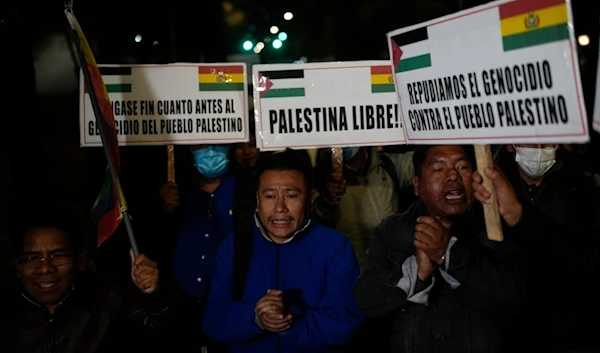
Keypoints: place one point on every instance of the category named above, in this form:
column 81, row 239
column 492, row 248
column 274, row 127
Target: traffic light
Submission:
column 277, row 44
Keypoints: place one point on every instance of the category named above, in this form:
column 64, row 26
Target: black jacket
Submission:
column 483, row 314
column 95, row 317
column 565, row 251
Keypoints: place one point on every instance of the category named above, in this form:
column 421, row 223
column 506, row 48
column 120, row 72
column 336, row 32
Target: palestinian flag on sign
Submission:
column 409, row 50
column 221, row 78
column 116, row 79
column 533, row 22
column 382, row 80
column 281, row 84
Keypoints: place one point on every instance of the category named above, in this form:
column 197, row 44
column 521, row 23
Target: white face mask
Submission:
column 535, row 162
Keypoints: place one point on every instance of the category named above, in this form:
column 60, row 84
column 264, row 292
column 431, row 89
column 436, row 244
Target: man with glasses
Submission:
column 64, row 308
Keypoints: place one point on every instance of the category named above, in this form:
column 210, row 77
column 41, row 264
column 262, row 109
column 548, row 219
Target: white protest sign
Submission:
column 504, row 72
column 596, row 121
column 171, row 104
column 316, row 105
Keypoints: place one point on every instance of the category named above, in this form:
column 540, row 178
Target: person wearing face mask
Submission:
column 200, row 207
column 550, row 179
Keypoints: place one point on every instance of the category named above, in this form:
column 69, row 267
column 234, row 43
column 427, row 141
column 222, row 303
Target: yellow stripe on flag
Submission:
column 220, row 78
column 550, row 16
column 381, row 79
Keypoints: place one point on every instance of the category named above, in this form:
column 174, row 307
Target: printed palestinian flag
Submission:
column 221, row 78
column 116, row 79
column 382, row 80
column 409, row 50
column 533, row 22
column 281, row 84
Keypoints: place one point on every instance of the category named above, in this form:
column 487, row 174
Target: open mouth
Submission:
column 47, row 285
column 455, row 196
column 281, row 222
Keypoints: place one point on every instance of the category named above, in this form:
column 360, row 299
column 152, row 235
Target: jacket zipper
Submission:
column 277, row 287
column 51, row 341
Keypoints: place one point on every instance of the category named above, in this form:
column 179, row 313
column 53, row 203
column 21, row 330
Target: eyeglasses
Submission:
column 34, row 261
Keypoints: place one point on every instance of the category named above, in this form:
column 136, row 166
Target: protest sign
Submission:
column 597, row 101
column 325, row 105
column 504, row 72
column 172, row 104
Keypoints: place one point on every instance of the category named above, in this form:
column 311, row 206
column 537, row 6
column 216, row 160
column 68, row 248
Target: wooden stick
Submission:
column 337, row 157
column 483, row 155
column 171, row 163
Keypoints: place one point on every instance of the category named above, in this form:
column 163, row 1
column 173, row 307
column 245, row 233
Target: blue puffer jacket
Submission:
column 316, row 270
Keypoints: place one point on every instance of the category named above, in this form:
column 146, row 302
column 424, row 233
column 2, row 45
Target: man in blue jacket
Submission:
column 298, row 291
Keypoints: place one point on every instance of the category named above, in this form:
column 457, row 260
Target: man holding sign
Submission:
column 434, row 271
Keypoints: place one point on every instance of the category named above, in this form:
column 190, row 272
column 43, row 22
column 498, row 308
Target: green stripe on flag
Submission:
column 118, row 88
column 382, row 88
column 284, row 93
column 536, row 37
column 221, row 86
column 414, row 63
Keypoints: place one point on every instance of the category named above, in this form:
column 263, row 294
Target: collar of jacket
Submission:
column 30, row 300
column 263, row 232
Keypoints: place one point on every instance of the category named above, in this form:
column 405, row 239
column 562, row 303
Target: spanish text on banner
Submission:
column 326, row 105
column 504, row 72
column 172, row 104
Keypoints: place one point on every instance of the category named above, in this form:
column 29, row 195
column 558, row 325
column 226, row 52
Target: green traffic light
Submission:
column 282, row 36
column 248, row 45
column 277, row 44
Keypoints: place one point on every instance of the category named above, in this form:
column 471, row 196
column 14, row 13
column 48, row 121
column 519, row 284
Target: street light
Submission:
column 288, row 16
column 282, row 36
column 274, row 29
column 583, row 40
column 247, row 45
column 138, row 38
column 277, row 44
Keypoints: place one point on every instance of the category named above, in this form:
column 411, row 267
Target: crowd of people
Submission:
column 387, row 252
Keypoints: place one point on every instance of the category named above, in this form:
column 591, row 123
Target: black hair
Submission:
column 66, row 219
column 420, row 156
column 292, row 160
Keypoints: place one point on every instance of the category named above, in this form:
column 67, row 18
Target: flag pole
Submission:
column 100, row 125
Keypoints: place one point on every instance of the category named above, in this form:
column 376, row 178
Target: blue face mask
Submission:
column 212, row 161
column 350, row 152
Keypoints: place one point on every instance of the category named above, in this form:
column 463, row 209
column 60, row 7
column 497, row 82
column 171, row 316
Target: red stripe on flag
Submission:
column 520, row 7
column 106, row 114
column 219, row 69
column 381, row 70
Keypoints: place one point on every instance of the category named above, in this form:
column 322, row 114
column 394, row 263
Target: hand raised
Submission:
column 509, row 207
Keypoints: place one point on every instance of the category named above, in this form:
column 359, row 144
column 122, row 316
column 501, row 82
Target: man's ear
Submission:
column 415, row 182
column 81, row 260
column 257, row 202
column 313, row 197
